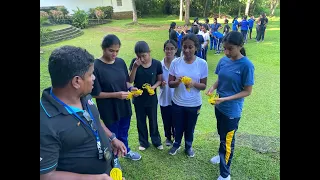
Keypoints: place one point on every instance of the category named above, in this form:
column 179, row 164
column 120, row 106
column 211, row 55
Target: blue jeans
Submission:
column 121, row 128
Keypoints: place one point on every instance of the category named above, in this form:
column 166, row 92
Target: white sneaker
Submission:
column 221, row 178
column 160, row 147
column 142, row 148
column 215, row 160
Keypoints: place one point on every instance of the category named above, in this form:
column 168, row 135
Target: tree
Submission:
column 273, row 5
column 134, row 12
column 247, row 7
column 205, row 8
column 181, row 12
column 187, row 11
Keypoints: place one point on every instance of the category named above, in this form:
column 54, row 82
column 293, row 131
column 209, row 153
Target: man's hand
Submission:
column 118, row 147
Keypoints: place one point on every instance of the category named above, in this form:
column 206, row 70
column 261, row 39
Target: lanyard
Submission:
column 91, row 123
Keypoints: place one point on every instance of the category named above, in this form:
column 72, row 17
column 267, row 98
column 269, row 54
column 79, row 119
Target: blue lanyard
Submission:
column 95, row 131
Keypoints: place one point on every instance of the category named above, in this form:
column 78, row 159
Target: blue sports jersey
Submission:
column 244, row 25
column 218, row 34
column 232, row 77
column 235, row 25
column 251, row 21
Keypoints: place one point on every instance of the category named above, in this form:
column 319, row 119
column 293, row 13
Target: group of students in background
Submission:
column 246, row 26
column 208, row 34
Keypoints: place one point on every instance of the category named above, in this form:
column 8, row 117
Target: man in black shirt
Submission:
column 263, row 25
column 74, row 144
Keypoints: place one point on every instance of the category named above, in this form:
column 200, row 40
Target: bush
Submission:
column 44, row 34
column 91, row 13
column 80, row 18
column 99, row 14
column 56, row 16
column 107, row 10
column 44, row 14
column 64, row 11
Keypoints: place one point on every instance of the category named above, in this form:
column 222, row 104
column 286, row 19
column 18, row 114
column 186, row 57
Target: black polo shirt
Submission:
column 111, row 78
column 146, row 75
column 66, row 144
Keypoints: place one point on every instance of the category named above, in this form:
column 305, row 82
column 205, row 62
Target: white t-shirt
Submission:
column 166, row 93
column 206, row 37
column 196, row 71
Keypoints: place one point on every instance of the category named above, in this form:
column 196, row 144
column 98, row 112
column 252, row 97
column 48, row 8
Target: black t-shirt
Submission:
column 146, row 75
column 226, row 29
column 66, row 143
column 201, row 41
column 264, row 21
column 173, row 35
column 111, row 78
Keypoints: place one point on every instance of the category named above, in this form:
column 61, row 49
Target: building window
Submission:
column 119, row 2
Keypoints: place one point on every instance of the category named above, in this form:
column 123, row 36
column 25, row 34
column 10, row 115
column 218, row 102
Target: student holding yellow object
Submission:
column 111, row 92
column 146, row 74
column 186, row 104
column 235, row 80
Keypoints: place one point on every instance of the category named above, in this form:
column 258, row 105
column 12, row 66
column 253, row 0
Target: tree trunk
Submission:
column 273, row 7
column 205, row 8
column 187, row 15
column 181, row 12
column 247, row 8
column 134, row 12
column 239, row 12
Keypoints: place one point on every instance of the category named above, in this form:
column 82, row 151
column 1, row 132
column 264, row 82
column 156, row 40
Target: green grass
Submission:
column 261, row 113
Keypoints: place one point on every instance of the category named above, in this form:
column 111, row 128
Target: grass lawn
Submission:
column 257, row 149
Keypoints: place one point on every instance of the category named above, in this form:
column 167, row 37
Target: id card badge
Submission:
column 107, row 154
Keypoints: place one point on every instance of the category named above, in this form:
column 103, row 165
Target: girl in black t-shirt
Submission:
column 144, row 69
column 111, row 92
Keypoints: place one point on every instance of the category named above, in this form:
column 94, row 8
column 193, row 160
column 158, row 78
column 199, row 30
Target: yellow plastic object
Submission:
column 116, row 174
column 186, row 81
column 149, row 89
column 212, row 99
column 132, row 93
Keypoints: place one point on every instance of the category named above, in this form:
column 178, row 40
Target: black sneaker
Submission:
column 168, row 142
column 189, row 152
column 173, row 150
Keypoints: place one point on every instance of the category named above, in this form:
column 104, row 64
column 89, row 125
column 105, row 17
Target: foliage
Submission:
column 99, row 14
column 56, row 16
column 197, row 7
column 64, row 11
column 80, row 18
column 107, row 10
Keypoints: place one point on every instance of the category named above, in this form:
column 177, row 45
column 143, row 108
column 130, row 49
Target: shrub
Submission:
column 80, row 18
column 107, row 10
column 56, row 16
column 99, row 14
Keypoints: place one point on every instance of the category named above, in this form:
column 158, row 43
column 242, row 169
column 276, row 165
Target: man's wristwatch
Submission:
column 112, row 137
